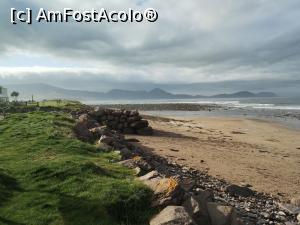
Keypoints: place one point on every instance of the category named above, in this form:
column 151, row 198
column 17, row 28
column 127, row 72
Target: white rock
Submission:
column 149, row 175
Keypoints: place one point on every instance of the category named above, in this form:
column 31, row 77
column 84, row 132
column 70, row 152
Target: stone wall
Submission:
column 124, row 121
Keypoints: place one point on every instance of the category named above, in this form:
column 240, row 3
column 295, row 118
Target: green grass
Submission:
column 49, row 177
column 60, row 103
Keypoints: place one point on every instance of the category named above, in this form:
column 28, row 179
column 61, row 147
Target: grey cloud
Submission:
column 194, row 40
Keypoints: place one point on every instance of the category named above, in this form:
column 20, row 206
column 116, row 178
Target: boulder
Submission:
column 125, row 153
column 196, row 206
column 134, row 113
column 104, row 147
column 136, row 162
column 98, row 112
column 106, row 140
column 99, row 131
column 149, row 176
column 167, row 191
column 298, row 218
column 82, row 132
column 237, row 191
column 219, row 214
column 172, row 215
column 88, row 121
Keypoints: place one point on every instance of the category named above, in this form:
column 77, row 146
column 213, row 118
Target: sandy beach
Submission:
column 263, row 154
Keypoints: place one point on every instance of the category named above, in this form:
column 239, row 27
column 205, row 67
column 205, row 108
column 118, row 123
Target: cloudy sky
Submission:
column 192, row 41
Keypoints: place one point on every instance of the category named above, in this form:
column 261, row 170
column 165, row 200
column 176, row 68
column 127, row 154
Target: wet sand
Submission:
column 261, row 153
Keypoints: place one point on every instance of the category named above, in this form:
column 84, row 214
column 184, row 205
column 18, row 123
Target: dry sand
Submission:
column 263, row 154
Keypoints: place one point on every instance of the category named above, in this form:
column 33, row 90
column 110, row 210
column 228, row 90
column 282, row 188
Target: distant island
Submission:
column 45, row 91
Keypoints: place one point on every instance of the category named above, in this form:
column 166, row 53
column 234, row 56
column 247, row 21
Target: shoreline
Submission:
column 287, row 118
column 222, row 145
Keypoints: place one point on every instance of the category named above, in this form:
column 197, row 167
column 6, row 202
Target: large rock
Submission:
column 82, row 132
column 298, row 218
column 99, row 131
column 219, row 214
column 98, row 112
column 149, row 176
column 172, row 215
column 136, row 162
column 125, row 153
column 167, row 191
column 196, row 206
column 237, row 191
column 88, row 121
column 106, row 140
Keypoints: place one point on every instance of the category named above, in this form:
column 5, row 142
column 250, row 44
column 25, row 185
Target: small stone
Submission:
column 281, row 213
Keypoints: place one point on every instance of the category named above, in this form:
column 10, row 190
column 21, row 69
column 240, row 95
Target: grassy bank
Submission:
column 49, row 177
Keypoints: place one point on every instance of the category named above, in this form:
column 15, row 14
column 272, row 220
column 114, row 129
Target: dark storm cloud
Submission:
column 192, row 40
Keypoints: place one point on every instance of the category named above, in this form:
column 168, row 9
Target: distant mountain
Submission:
column 44, row 91
column 246, row 94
